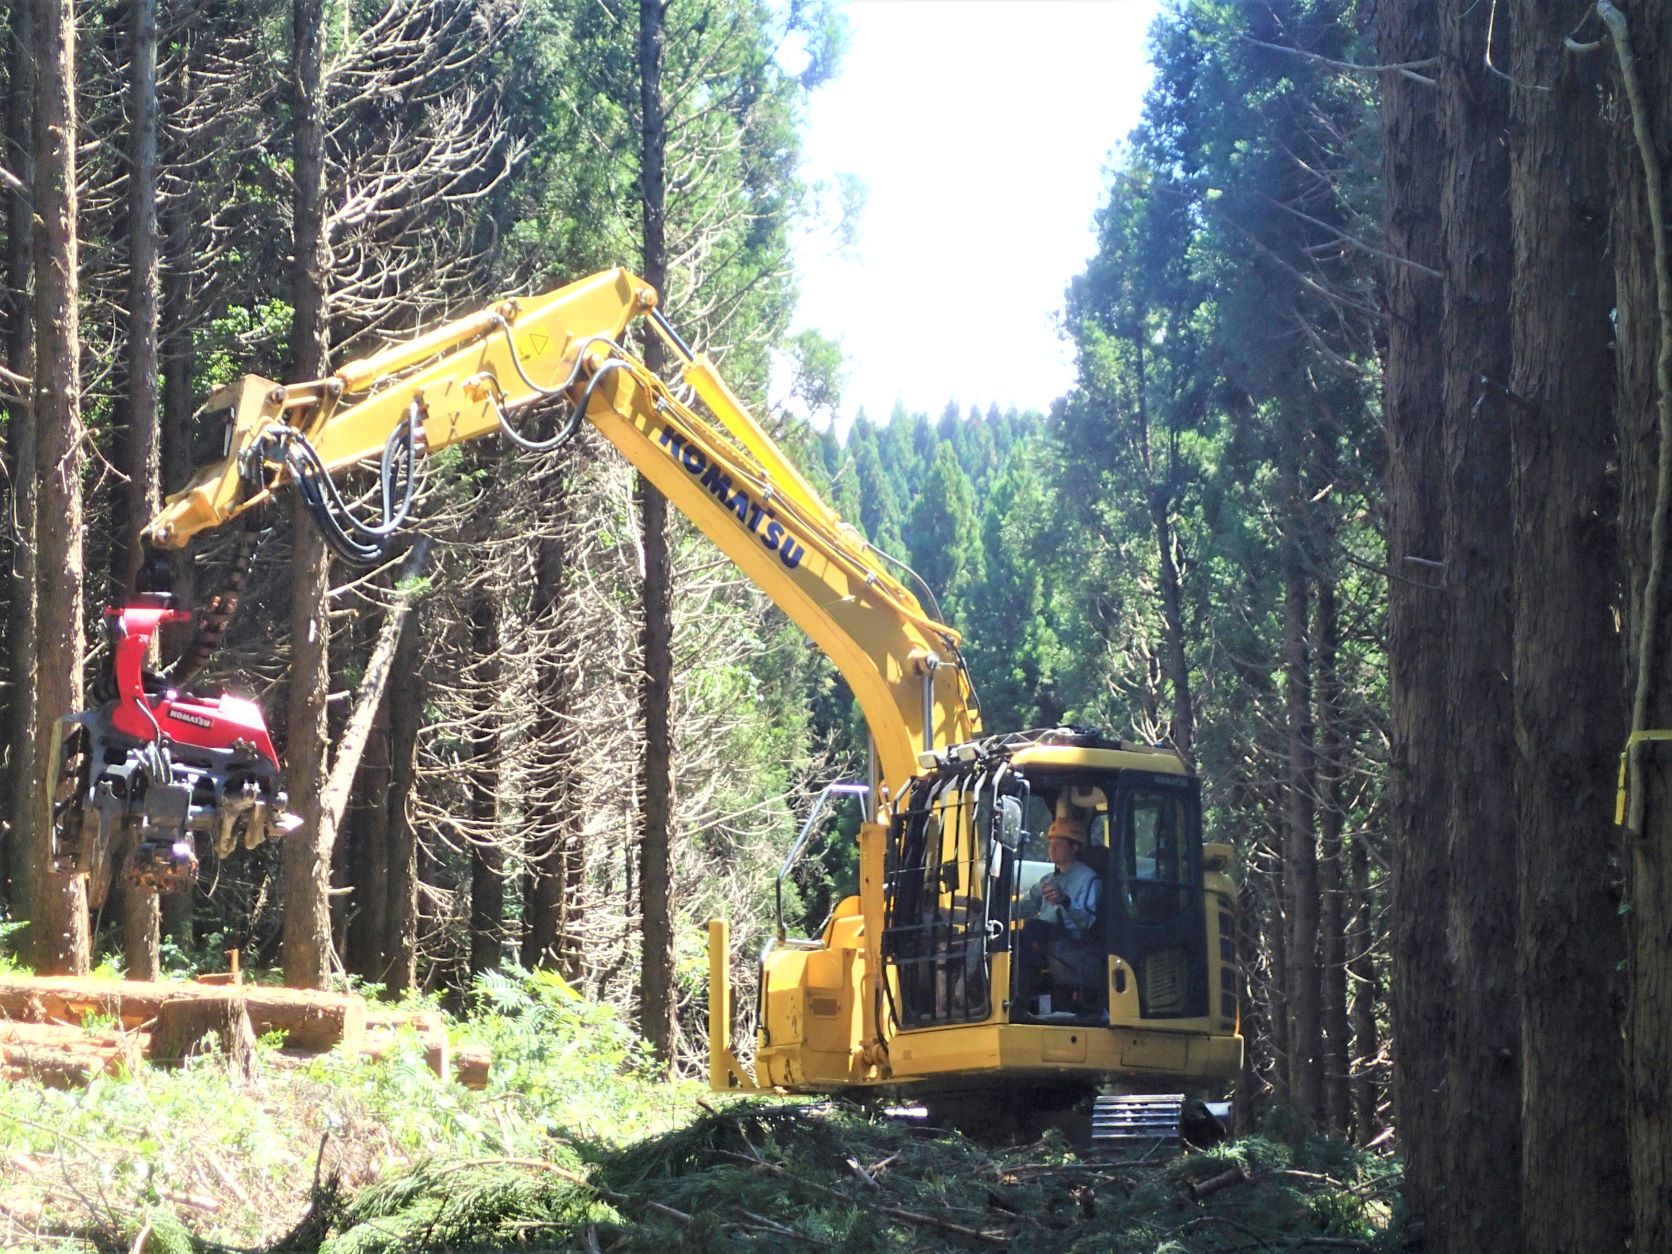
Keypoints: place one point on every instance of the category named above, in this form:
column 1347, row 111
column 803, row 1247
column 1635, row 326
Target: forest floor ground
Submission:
column 577, row 1144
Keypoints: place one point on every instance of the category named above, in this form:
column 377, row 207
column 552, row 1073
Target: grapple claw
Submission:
column 69, row 764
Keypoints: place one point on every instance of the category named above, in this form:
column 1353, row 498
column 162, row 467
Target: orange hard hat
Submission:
column 1067, row 829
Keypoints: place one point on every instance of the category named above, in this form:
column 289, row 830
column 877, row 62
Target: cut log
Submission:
column 29, row 1009
column 233, row 975
column 438, row 1055
column 1198, row 1189
column 425, row 1021
column 471, row 1065
column 383, row 1034
column 308, row 1019
column 55, row 1071
column 188, row 1027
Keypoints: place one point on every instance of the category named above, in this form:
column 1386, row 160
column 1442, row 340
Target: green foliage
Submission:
column 569, row 1082
column 1223, row 330
column 945, row 541
column 464, row 1205
column 570, row 1063
column 11, row 934
column 817, row 373
column 207, row 953
column 768, row 1176
column 1019, row 615
column 242, row 340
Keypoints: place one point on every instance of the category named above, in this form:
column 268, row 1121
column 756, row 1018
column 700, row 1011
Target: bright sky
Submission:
column 981, row 130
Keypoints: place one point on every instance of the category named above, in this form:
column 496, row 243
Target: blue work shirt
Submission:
column 1081, row 891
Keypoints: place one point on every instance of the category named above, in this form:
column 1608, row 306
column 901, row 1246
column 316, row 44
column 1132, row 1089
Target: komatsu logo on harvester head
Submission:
column 774, row 535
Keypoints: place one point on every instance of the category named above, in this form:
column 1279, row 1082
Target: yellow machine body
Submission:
column 811, row 1035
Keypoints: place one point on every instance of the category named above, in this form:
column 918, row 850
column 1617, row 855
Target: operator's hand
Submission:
column 1052, row 894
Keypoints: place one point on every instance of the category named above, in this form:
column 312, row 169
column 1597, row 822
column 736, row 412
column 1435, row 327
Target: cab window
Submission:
column 1155, row 861
column 1157, row 830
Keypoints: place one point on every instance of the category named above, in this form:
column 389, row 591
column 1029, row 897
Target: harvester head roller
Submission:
column 163, row 865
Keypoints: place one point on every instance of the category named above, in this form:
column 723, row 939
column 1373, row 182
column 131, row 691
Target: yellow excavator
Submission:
column 929, row 984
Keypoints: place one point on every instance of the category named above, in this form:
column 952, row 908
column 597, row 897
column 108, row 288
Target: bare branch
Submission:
column 1407, row 68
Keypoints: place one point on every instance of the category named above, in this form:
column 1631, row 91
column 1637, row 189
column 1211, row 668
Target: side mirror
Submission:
column 1007, row 823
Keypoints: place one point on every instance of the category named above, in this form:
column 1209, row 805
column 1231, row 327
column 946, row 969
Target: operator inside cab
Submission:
column 1062, row 956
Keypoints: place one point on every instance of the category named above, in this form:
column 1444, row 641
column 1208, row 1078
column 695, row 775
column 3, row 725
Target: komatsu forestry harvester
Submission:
column 916, row 987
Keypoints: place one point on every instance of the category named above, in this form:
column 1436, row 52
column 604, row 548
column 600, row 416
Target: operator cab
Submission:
column 969, row 856
column 1143, row 844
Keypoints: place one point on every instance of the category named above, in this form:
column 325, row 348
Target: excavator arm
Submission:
column 482, row 374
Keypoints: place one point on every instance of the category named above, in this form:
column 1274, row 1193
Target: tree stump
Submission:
column 185, row 1026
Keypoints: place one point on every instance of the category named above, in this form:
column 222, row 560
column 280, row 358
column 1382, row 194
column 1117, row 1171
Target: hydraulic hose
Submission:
column 350, row 537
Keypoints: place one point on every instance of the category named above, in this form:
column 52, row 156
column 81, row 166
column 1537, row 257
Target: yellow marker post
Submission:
column 1636, row 737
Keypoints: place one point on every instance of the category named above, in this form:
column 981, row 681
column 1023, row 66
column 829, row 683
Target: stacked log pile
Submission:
column 43, row 1032
column 63, row 1056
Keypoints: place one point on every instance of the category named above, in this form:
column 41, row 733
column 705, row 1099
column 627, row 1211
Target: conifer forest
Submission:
column 1359, row 501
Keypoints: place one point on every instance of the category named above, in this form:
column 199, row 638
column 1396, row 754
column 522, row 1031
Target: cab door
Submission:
column 1157, row 921
column 937, row 894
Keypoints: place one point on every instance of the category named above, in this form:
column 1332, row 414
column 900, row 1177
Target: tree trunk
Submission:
column 1483, row 1197
column 1367, row 996
column 142, row 921
column 1172, row 617
column 140, row 460
column 370, row 865
column 359, row 728
column 58, row 926
column 551, row 833
column 1159, row 497
column 178, row 402
column 1280, row 1021
column 1640, row 152
column 656, row 992
column 1569, row 717
column 307, row 850
column 1300, row 839
column 1417, row 609
column 1255, row 1036
column 406, row 708
column 141, row 910
column 487, row 855
column 1332, row 926
column 21, row 462
column 177, row 361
